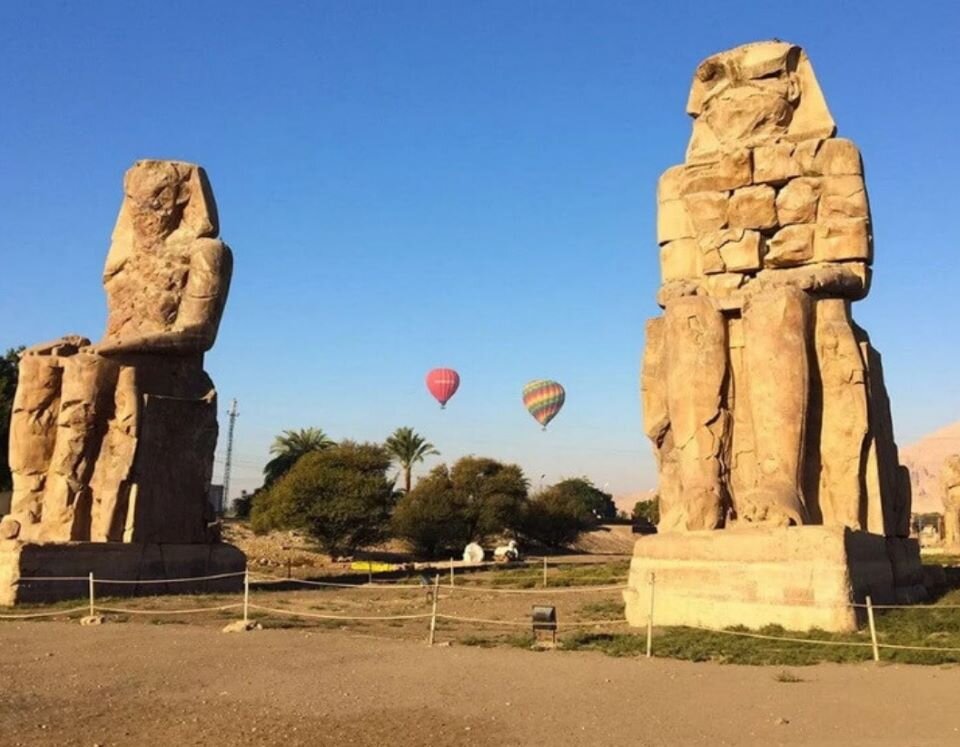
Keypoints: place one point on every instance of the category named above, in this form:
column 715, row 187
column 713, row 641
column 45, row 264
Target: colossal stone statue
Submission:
column 950, row 482
column 765, row 402
column 113, row 442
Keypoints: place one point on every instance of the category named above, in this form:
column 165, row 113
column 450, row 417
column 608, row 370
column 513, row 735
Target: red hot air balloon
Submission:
column 443, row 383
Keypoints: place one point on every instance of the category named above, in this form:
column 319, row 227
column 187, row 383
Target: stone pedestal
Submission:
column 796, row 577
column 117, row 561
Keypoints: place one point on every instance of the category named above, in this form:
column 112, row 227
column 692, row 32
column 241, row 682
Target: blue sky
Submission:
column 468, row 184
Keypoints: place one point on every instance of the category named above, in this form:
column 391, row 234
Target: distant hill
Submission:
column 625, row 502
column 925, row 460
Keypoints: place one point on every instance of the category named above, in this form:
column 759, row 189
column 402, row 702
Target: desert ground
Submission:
column 176, row 684
column 337, row 665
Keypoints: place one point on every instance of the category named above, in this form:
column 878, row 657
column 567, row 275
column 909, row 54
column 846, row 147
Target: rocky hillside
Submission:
column 925, row 459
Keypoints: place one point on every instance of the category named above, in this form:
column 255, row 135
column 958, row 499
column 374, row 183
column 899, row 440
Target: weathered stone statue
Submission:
column 113, row 442
column 950, row 482
column 764, row 400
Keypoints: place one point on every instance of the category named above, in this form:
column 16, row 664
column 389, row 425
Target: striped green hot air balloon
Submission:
column 543, row 399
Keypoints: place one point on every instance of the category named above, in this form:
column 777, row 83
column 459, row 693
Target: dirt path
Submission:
column 175, row 684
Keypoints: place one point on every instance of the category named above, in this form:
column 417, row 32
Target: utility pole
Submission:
column 233, row 413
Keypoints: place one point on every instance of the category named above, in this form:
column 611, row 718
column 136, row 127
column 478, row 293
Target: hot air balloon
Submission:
column 543, row 398
column 443, row 383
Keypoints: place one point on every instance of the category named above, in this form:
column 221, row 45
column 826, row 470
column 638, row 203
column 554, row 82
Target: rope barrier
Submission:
column 298, row 613
column 540, row 591
column 133, row 581
column 124, row 611
column 905, row 647
column 33, row 615
column 762, row 636
column 436, row 615
column 136, row 582
column 263, row 578
column 589, row 623
column 527, row 623
column 924, row 607
column 482, row 621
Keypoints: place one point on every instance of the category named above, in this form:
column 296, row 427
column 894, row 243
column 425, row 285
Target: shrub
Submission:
column 556, row 517
column 340, row 496
column 468, row 502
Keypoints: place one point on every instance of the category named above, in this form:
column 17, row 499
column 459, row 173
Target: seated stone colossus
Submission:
column 113, row 442
column 763, row 398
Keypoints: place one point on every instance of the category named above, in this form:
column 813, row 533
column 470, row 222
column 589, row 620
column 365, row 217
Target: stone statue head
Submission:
column 755, row 94
column 162, row 198
column 165, row 202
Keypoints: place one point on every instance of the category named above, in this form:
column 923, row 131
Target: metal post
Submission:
column 433, row 614
column 228, row 463
column 370, row 572
column 246, row 595
column 650, row 618
column 544, row 571
column 873, row 630
column 92, row 607
column 451, row 572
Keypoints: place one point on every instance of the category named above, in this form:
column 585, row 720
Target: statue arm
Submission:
column 201, row 307
column 845, row 279
column 66, row 345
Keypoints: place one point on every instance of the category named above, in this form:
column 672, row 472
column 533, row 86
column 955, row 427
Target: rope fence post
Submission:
column 246, row 595
column 92, row 604
column 873, row 629
column 544, row 571
column 451, row 572
column 433, row 614
column 650, row 618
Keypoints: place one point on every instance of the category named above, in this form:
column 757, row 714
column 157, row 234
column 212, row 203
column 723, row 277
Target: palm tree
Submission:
column 289, row 446
column 408, row 447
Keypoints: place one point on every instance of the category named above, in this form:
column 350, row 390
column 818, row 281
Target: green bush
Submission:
column 647, row 511
column 559, row 514
column 554, row 519
column 340, row 495
column 468, row 502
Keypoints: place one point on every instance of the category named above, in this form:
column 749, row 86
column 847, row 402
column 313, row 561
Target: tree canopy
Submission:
column 468, row 502
column 648, row 511
column 288, row 447
column 408, row 448
column 8, row 388
column 581, row 491
column 340, row 495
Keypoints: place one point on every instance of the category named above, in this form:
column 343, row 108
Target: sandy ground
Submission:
column 119, row 684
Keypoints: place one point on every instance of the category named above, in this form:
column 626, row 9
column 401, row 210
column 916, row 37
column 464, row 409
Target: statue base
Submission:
column 113, row 561
column 796, row 577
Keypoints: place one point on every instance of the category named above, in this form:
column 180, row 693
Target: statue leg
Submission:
column 776, row 340
column 111, row 480
column 843, row 421
column 696, row 373
column 87, row 390
column 32, row 436
column 656, row 424
column 951, row 523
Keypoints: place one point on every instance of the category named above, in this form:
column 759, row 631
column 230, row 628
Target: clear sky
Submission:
column 466, row 184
